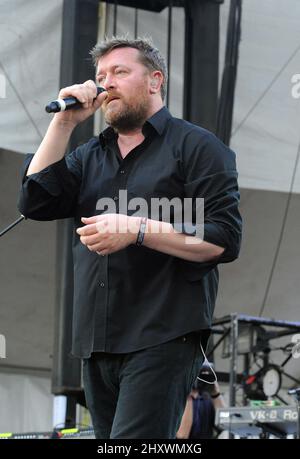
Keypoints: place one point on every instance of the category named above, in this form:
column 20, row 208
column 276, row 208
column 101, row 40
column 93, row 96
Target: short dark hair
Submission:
column 149, row 56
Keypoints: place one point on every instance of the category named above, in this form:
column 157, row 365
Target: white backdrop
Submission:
column 266, row 116
column 26, row 403
column 30, row 37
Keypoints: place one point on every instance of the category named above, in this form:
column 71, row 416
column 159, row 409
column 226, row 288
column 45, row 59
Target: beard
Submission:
column 127, row 116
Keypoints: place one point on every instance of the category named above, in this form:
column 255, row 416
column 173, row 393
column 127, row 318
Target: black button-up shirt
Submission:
column 138, row 297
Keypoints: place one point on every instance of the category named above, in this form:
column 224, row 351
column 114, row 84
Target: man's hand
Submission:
column 108, row 233
column 86, row 93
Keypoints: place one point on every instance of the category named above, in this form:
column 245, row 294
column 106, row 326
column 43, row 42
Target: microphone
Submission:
column 60, row 105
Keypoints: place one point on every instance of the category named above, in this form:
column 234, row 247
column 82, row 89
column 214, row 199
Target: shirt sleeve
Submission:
column 51, row 193
column 210, row 173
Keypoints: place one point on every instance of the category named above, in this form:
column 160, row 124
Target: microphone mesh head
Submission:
column 53, row 107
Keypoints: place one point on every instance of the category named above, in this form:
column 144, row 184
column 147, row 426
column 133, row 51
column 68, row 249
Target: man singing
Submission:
column 145, row 285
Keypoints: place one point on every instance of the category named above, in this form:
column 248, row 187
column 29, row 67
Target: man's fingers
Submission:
column 87, row 230
column 81, row 92
column 91, row 92
column 91, row 85
column 86, row 93
column 90, row 240
column 95, row 219
column 92, row 219
column 100, row 99
column 99, row 247
column 93, row 228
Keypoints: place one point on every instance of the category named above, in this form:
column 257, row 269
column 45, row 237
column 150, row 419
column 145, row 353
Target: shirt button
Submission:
column 184, row 339
column 102, row 284
column 122, row 172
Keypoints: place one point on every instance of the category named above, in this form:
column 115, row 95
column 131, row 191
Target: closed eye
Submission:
column 120, row 71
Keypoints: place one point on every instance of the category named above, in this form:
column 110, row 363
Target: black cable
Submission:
column 225, row 111
column 115, row 17
column 20, row 100
column 169, row 46
column 226, row 100
column 281, row 233
column 264, row 92
column 292, row 181
column 12, row 225
column 136, row 14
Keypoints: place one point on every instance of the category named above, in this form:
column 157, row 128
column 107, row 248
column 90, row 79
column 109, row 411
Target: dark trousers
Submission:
column 142, row 394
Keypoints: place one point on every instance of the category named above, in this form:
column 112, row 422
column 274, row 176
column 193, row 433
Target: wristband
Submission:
column 215, row 395
column 141, row 233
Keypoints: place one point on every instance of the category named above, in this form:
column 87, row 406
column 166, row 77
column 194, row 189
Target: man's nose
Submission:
column 109, row 82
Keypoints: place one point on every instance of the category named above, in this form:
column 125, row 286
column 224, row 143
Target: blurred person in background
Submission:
column 198, row 419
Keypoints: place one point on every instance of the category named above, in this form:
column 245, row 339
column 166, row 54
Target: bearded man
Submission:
column 145, row 284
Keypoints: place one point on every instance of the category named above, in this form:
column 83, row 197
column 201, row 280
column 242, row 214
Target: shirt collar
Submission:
column 158, row 122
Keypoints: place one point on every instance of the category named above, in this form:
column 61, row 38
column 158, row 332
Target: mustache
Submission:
column 111, row 96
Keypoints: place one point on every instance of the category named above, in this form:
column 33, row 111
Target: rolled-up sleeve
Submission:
column 211, row 174
column 51, row 193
